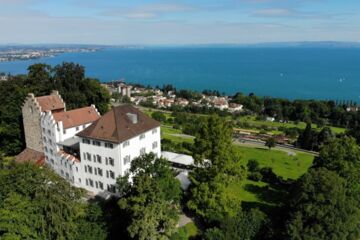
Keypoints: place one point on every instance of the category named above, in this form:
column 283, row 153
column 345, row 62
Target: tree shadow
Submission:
column 267, row 193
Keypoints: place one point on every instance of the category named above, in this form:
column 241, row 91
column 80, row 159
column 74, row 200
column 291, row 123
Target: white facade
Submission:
column 99, row 163
column 103, row 162
column 66, row 165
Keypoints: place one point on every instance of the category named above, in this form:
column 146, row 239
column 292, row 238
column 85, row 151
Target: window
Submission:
column 50, row 141
column 95, row 171
column 88, row 156
column 142, row 136
column 109, row 145
column 154, row 131
column 43, row 129
column 91, row 182
column 154, row 145
column 45, row 139
column 112, row 174
column 67, row 176
column 52, row 161
column 87, row 182
column 45, row 148
column 100, row 172
column 96, row 143
column 126, row 143
column 107, row 174
column 77, row 169
column 51, row 151
column 48, row 131
column 86, row 141
column 111, row 161
column 98, row 158
column 142, row 151
column 70, row 167
column 79, row 180
column 96, row 185
column 126, row 159
column 101, row 185
column 90, row 169
column 111, row 188
column 62, row 172
column 85, row 168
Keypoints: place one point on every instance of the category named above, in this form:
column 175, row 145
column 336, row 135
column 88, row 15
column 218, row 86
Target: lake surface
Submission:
column 322, row 73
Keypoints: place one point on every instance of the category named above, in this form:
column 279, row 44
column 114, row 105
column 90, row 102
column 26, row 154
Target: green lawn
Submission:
column 258, row 123
column 282, row 163
column 168, row 132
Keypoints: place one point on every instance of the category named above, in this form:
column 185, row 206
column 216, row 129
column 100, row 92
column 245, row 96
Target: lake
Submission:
column 306, row 73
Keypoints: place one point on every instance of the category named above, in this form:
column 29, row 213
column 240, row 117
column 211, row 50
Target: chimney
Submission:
column 133, row 117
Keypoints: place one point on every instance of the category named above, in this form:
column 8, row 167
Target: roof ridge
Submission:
column 117, row 129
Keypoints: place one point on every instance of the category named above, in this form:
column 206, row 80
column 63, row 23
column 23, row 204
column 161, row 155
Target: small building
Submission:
column 270, row 119
column 234, row 107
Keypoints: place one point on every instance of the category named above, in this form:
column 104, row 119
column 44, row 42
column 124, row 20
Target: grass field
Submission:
column 168, row 132
column 283, row 164
column 301, row 125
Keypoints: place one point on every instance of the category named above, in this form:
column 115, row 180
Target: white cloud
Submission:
column 148, row 11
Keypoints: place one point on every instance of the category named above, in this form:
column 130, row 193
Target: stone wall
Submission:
column 31, row 113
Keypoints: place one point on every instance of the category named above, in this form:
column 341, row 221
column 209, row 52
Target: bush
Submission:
column 158, row 116
column 255, row 176
column 253, row 165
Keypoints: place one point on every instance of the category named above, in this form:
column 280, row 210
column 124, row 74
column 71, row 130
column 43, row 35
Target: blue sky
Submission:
column 178, row 22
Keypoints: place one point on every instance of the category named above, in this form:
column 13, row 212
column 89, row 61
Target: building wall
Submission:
column 62, row 164
column 118, row 153
column 31, row 113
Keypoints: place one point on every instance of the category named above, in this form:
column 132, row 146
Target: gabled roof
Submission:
column 117, row 126
column 50, row 102
column 30, row 155
column 77, row 117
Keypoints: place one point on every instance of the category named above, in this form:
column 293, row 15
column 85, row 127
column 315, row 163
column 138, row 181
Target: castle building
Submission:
column 89, row 150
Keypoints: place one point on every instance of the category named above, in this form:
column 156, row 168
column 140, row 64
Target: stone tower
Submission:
column 32, row 110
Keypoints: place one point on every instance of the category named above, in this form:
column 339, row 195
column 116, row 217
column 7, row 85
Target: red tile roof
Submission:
column 116, row 125
column 30, row 155
column 77, row 117
column 50, row 103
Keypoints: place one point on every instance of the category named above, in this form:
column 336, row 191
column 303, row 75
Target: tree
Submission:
column 342, row 156
column 320, row 208
column 158, row 116
column 36, row 203
column 208, row 197
column 306, row 138
column 244, row 226
column 92, row 225
column 270, row 142
column 214, row 142
column 67, row 78
column 150, row 204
